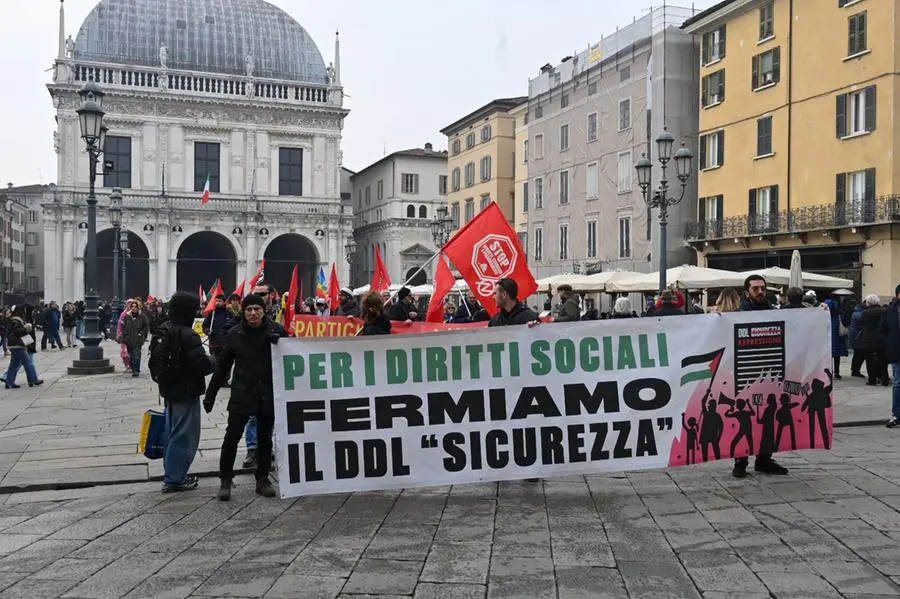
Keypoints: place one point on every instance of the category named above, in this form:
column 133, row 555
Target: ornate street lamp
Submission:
column 660, row 198
column 441, row 227
column 350, row 253
column 126, row 253
column 90, row 118
column 115, row 218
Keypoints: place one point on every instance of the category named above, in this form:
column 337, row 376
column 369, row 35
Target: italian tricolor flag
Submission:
column 205, row 198
column 700, row 367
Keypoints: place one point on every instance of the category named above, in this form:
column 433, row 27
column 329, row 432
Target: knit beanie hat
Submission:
column 253, row 300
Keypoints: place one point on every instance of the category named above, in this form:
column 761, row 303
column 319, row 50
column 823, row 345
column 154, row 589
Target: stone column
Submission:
column 52, row 270
column 78, row 280
column 162, row 261
column 67, row 264
column 252, row 263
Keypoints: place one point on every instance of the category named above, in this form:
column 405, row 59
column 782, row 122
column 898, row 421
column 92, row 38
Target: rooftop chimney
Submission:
column 10, row 185
column 428, row 147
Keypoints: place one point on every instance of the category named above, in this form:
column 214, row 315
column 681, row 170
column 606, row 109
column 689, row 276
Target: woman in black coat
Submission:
column 870, row 343
column 372, row 312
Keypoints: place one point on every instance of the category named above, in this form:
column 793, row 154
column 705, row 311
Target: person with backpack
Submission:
column 178, row 364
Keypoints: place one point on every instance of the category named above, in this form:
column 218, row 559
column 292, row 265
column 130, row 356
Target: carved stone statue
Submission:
column 249, row 64
column 340, row 157
column 56, row 141
column 164, row 57
column 329, row 73
column 70, row 47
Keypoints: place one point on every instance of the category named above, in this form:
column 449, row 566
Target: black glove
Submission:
column 273, row 339
column 208, row 402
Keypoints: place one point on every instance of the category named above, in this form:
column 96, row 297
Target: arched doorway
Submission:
column 202, row 258
column 137, row 267
column 283, row 253
column 420, row 278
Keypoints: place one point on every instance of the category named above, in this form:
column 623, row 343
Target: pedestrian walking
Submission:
column 839, row 333
column 21, row 337
column 890, row 331
column 70, row 324
column 134, row 333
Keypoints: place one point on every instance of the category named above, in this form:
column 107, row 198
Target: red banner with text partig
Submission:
column 347, row 326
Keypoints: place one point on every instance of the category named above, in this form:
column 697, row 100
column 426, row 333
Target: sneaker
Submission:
column 250, row 459
column 190, row 483
column 264, row 488
column 224, row 493
column 36, row 383
column 858, row 375
column 894, row 421
column 770, row 467
column 740, row 469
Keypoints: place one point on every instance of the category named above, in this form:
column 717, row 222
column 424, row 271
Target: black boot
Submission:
column 224, row 493
column 264, row 488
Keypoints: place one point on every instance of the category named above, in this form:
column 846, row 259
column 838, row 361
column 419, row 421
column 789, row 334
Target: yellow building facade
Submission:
column 520, row 205
column 796, row 135
column 481, row 161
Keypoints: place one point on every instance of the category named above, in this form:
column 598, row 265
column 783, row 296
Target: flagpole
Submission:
column 415, row 274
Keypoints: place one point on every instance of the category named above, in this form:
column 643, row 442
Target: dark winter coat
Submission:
column 890, row 331
column 400, row 311
column 854, row 322
column 869, row 337
column 249, row 350
column 194, row 364
column 838, row 342
column 17, row 330
column 349, row 308
column 570, row 310
column 748, row 306
column 379, row 326
column 520, row 314
column 135, row 330
column 52, row 319
column 216, row 325
column 69, row 319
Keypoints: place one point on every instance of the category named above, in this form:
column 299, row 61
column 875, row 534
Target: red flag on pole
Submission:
column 216, row 292
column 443, row 285
column 293, row 290
column 487, row 250
column 258, row 277
column 239, row 290
column 381, row 280
column 334, row 290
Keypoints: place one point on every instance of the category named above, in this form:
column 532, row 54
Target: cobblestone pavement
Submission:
column 830, row 529
column 84, row 430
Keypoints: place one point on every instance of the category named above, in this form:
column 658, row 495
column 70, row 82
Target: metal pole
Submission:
column 125, row 254
column 91, row 349
column 115, row 273
column 663, row 203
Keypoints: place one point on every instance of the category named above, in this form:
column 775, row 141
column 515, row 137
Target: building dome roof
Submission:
column 201, row 35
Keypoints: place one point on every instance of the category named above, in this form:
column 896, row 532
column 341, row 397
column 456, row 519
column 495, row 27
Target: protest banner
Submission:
column 306, row 325
column 558, row 399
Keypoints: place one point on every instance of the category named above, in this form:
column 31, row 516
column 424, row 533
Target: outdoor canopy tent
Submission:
column 684, row 277
column 579, row 283
column 781, row 276
column 416, row 289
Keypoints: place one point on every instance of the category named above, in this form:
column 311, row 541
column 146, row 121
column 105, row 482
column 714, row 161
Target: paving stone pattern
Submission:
column 830, row 529
column 84, row 430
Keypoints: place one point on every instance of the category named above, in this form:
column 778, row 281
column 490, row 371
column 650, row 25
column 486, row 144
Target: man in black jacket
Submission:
column 890, row 331
column 403, row 308
column 755, row 299
column 570, row 311
column 181, row 385
column 248, row 349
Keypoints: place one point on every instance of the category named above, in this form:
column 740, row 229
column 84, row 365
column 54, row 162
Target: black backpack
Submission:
column 165, row 361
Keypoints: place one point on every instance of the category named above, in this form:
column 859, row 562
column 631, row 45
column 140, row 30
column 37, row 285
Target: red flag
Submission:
column 487, row 250
column 291, row 303
column 443, row 284
column 258, row 277
column 334, row 289
column 381, row 280
column 216, row 292
column 239, row 290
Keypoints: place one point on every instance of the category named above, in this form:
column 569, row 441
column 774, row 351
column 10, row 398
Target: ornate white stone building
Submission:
column 233, row 92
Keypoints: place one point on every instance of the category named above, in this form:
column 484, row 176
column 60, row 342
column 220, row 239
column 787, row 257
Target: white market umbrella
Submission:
column 683, row 277
column 796, row 277
column 776, row 275
column 579, row 283
column 600, row 280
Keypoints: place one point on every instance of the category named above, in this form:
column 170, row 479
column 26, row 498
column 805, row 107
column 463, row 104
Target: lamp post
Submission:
column 115, row 218
column 441, row 227
column 350, row 253
column 126, row 253
column 660, row 198
column 90, row 119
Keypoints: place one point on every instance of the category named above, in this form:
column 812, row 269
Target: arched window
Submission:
column 410, row 211
column 423, row 211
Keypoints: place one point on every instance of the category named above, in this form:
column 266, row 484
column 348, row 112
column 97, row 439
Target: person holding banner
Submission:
column 248, row 349
column 348, row 306
column 403, row 310
column 376, row 322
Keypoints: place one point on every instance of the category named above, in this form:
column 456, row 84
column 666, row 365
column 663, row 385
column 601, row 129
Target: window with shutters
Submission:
column 625, row 168
column 764, row 137
column 855, row 198
column 486, row 168
column 592, row 88
column 470, row 174
column 625, row 114
column 454, row 179
column 563, row 137
column 564, row 101
column 564, row 187
column 763, row 210
column 442, row 185
column 709, row 213
column 591, row 183
column 856, row 112
column 592, row 127
column 485, row 201
column 539, row 146
column 712, row 89
column 624, row 237
column 379, row 190
column 525, row 151
column 564, row 242
column 842, row 3
column 454, row 214
column 766, row 21
column 410, row 183
column 470, row 141
column 592, row 239
column 470, row 209
column 713, row 46
column 712, row 150
column 525, row 197
column 539, row 193
column 368, row 194
column 766, row 69
column 486, row 133
column 857, row 43
column 538, row 111
column 538, row 244
column 410, row 211
column 455, row 147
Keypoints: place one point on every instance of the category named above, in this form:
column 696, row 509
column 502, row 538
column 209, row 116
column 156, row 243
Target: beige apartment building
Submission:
column 481, row 161
column 520, row 168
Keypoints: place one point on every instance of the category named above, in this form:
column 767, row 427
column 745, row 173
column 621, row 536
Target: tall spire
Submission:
column 62, row 30
column 337, row 58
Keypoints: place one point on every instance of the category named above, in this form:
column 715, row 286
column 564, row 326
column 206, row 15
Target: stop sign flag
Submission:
column 487, row 250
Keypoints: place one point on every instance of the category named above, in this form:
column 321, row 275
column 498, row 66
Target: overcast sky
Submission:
column 410, row 67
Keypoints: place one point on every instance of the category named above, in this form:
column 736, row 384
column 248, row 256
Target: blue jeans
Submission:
column 182, row 439
column 895, row 402
column 79, row 328
column 21, row 358
column 134, row 357
column 250, row 433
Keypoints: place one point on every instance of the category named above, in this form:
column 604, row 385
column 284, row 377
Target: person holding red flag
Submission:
column 291, row 307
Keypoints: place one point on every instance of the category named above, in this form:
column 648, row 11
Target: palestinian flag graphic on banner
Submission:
column 702, row 367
